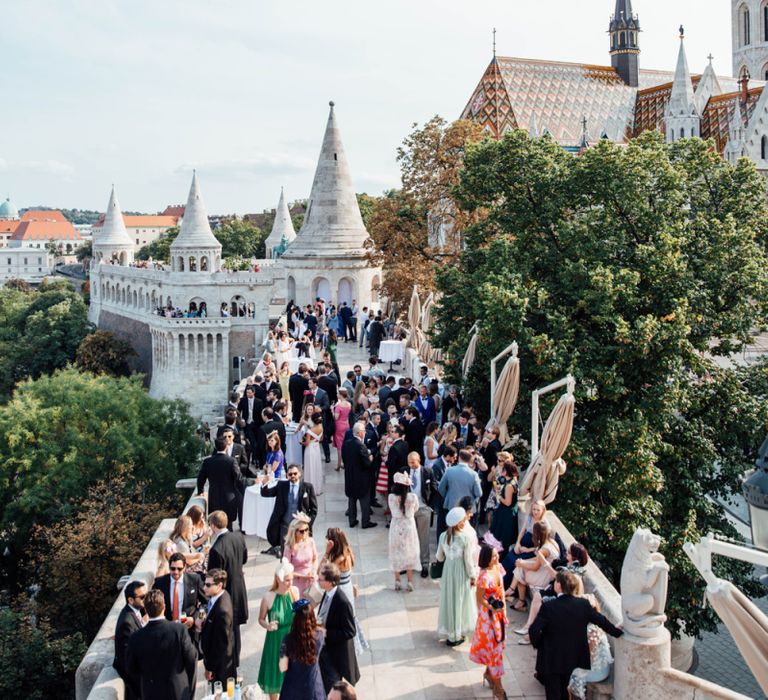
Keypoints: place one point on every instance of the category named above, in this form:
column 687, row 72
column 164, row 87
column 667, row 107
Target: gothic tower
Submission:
column 749, row 37
column 624, row 30
column 681, row 118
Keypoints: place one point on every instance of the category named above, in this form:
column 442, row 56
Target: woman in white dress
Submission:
column 403, row 536
column 283, row 351
column 430, row 445
column 313, row 462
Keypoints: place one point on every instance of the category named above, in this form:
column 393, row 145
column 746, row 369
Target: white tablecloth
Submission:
column 293, row 446
column 294, row 362
column 256, row 512
column 392, row 351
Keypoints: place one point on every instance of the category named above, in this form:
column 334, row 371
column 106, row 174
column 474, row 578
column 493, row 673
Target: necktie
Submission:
column 175, row 609
column 210, row 605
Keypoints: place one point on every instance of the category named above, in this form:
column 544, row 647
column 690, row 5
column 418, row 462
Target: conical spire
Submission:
column 681, row 101
column 333, row 226
column 282, row 228
column 708, row 87
column 113, row 232
column 195, row 230
column 736, row 124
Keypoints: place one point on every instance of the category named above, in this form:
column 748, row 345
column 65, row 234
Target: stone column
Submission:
column 638, row 666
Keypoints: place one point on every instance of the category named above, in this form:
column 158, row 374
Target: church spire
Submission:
column 113, row 242
column 333, row 226
column 681, row 118
column 195, row 229
column 624, row 30
column 282, row 228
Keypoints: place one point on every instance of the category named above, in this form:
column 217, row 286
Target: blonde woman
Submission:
column 301, row 553
column 275, row 616
column 449, row 434
column 524, row 547
column 534, row 572
column 164, row 551
column 266, row 365
column 283, row 378
column 359, row 399
column 182, row 536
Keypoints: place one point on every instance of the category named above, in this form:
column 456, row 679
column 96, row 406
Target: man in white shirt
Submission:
column 422, row 487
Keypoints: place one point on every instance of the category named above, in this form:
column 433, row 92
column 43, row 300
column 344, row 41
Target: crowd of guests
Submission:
column 418, row 460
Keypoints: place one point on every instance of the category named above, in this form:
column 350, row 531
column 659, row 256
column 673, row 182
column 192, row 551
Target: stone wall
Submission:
column 134, row 332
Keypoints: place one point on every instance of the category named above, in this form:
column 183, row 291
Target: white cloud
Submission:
column 48, row 167
column 248, row 168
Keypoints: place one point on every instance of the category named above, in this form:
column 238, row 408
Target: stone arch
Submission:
column 153, row 300
column 123, row 257
column 375, row 282
column 195, row 303
column 237, row 306
column 764, row 147
column 135, row 299
column 251, row 310
column 203, row 263
column 291, row 287
column 346, row 291
column 180, row 263
column 321, row 287
column 192, row 263
column 744, row 26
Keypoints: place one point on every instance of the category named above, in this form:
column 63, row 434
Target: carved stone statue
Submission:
column 644, row 586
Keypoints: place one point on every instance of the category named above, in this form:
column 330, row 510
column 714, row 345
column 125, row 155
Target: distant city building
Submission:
column 37, row 229
column 144, row 229
column 8, row 211
column 28, row 264
column 579, row 103
column 7, row 229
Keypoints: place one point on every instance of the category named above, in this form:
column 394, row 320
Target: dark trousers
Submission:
column 353, row 329
column 555, row 685
column 365, row 509
column 442, row 513
column 250, row 434
column 236, row 636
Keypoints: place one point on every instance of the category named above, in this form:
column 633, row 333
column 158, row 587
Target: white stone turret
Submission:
column 708, row 87
column 681, row 118
column 195, row 248
column 282, row 228
column 328, row 258
column 735, row 148
column 113, row 244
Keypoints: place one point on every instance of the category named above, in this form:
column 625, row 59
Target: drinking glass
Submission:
column 230, row 687
column 217, row 689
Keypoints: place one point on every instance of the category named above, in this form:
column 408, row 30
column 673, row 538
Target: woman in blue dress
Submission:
column 523, row 548
column 275, row 461
column 299, row 656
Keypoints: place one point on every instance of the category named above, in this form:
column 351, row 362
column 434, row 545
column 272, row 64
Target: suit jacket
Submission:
column 490, row 453
column 162, row 658
column 272, row 386
column 428, row 413
column 458, row 482
column 224, row 479
column 448, row 404
column 297, row 385
column 258, row 407
column 321, row 400
column 338, row 659
column 559, row 632
column 372, row 439
column 235, row 428
column 265, row 430
column 259, row 392
column 397, row 460
column 217, row 640
column 329, row 386
column 239, row 456
column 307, row 505
column 194, row 595
column 375, row 332
column 310, row 321
column 346, row 314
column 127, row 624
column 428, row 486
column 229, row 552
column 414, row 436
column 358, row 468
column 469, row 438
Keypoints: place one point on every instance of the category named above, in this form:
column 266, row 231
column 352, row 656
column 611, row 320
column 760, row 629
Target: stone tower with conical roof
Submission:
column 328, row 258
column 681, row 118
column 195, row 249
column 113, row 244
column 282, row 228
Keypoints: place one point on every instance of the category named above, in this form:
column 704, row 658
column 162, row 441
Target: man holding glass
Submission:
column 216, row 632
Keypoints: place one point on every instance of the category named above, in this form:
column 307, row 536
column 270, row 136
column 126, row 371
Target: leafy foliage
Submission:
column 241, row 239
column 39, row 331
column 34, row 660
column 61, row 434
column 159, row 249
column 102, row 353
column 99, row 543
column 627, row 267
column 85, row 251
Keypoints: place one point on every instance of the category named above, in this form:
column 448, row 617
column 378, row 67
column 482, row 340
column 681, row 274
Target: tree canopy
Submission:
column 103, row 353
column 629, row 268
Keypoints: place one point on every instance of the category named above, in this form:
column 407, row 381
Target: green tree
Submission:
column 159, row 249
column 103, row 353
column 60, row 434
column 39, row 331
column 34, row 660
column 627, row 267
column 85, row 251
column 241, row 239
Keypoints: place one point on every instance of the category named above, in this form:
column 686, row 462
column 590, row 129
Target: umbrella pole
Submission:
column 568, row 381
column 512, row 347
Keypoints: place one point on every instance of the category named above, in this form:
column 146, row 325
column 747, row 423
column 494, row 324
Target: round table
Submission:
column 257, row 511
column 294, row 362
column 392, row 351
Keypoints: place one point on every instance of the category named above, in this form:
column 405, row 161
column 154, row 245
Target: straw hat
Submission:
column 284, row 568
column 455, row 516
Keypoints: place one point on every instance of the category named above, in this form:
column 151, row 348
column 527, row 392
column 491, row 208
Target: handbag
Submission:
column 436, row 569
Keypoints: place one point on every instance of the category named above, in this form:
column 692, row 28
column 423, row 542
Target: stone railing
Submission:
column 96, row 678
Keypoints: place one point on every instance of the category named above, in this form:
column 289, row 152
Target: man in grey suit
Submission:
column 459, row 482
column 322, row 402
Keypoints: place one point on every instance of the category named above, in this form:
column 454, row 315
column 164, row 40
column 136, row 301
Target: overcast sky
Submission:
column 139, row 92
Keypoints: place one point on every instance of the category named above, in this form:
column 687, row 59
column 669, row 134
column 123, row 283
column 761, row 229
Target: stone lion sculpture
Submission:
column 644, row 586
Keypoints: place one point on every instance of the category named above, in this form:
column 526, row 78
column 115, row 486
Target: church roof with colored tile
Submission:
column 715, row 121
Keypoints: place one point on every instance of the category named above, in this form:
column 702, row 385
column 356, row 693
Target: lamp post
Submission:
column 755, row 489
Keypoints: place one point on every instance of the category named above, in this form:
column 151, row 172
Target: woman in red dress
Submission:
column 488, row 640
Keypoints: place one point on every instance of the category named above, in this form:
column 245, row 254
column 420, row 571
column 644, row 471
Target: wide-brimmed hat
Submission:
column 455, row 516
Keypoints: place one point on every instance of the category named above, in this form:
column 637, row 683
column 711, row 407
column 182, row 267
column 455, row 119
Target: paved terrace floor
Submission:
column 406, row 660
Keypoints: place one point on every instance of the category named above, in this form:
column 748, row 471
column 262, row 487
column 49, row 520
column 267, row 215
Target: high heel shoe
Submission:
column 487, row 679
column 498, row 690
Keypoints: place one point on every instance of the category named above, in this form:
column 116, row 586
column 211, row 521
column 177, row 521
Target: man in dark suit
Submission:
column 358, row 470
column 291, row 496
column 297, row 385
column 327, row 382
column 217, row 639
column 229, row 552
column 559, row 633
column 446, row 459
column 130, row 620
column 414, row 431
column 373, row 433
column 231, row 421
column 346, row 318
column 160, row 656
column 259, row 390
column 375, row 335
column 238, row 454
column 310, row 321
column 452, row 401
column 249, row 410
column 270, row 423
column 337, row 659
column 425, row 404
column 321, row 401
column 224, row 481
column 397, row 459
column 271, row 385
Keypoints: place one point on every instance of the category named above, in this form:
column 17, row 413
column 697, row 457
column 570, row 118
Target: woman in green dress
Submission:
column 275, row 616
column 504, row 524
column 458, row 608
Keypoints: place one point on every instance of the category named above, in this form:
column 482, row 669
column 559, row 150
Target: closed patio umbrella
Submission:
column 414, row 316
column 505, row 396
column 469, row 356
column 426, row 313
column 547, row 466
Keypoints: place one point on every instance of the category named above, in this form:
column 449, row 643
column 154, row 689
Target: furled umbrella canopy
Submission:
column 469, row 356
column 414, row 316
column 505, row 396
column 547, row 466
column 426, row 313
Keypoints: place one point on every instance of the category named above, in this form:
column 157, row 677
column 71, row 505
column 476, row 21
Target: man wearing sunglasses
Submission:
column 292, row 496
column 131, row 618
column 217, row 639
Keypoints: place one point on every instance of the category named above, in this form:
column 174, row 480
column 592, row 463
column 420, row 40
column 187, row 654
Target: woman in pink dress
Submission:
column 301, row 552
column 341, row 415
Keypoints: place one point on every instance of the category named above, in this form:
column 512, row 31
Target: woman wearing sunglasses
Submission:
column 301, row 552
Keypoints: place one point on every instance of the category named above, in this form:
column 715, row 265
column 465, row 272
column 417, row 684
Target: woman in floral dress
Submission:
column 403, row 536
column 488, row 641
